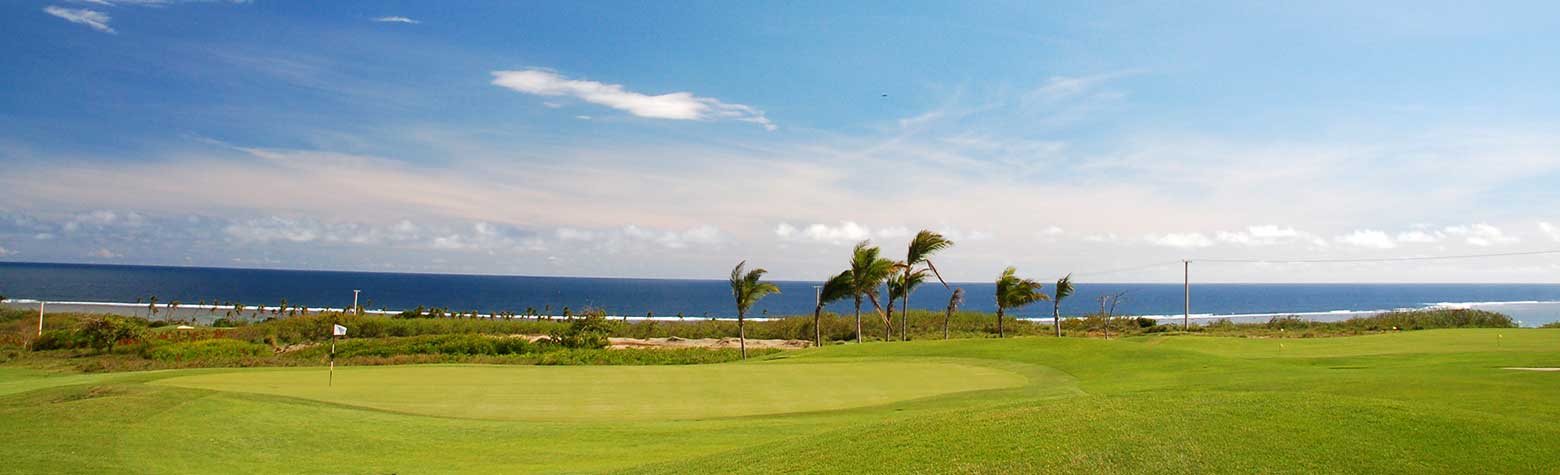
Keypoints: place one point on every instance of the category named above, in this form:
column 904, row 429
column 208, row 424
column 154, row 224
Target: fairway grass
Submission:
column 1411, row 403
column 615, row 393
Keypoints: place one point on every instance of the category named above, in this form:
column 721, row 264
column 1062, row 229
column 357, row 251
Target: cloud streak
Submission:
column 91, row 18
column 672, row 106
column 396, row 19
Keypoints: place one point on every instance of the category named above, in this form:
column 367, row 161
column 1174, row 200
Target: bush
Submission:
column 588, row 332
column 225, row 322
column 1550, row 325
column 106, row 331
column 458, row 345
column 58, row 340
column 218, row 349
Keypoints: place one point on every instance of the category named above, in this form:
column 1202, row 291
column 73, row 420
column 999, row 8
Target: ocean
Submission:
column 117, row 288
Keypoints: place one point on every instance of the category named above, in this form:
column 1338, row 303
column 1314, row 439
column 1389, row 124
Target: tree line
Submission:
column 870, row 276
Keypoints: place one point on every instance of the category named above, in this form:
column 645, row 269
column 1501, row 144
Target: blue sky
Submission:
column 638, row 139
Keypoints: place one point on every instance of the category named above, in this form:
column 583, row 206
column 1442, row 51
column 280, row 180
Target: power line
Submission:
column 1127, row 269
column 1383, row 259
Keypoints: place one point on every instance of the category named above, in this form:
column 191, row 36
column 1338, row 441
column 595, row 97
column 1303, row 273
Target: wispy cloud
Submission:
column 675, row 105
column 91, row 18
column 1368, row 238
column 396, row 19
column 1179, row 240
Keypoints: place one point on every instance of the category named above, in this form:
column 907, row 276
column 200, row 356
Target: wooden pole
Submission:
column 1186, row 275
column 40, row 318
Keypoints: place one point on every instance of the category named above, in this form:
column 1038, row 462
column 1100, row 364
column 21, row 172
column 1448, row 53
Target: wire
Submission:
column 1127, row 269
column 1383, row 259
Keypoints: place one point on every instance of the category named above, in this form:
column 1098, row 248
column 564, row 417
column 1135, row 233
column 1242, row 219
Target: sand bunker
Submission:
column 1534, row 369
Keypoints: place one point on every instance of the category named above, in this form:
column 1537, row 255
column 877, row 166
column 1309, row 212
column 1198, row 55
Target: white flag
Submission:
column 338, row 330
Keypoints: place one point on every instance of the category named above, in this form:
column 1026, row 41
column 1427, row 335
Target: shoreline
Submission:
column 210, row 312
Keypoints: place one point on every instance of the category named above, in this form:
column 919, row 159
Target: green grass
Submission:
column 614, row 393
column 1414, row 402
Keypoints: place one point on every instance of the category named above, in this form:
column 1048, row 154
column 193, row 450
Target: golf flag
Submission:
column 338, row 330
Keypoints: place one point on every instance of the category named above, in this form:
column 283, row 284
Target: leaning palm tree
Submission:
column 899, row 287
column 953, row 306
column 921, row 249
column 747, row 288
column 836, row 288
column 1015, row 292
column 867, row 273
column 1064, row 289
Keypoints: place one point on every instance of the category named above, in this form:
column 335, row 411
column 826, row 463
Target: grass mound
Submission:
column 616, row 393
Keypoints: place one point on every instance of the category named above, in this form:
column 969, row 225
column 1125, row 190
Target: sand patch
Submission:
column 1534, row 369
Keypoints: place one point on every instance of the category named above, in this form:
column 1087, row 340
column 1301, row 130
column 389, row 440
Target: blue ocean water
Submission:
column 1533, row 303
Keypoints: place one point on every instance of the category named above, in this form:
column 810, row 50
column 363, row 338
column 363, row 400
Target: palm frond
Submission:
column 924, row 245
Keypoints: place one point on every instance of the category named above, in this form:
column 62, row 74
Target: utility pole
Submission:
column 1186, row 275
column 355, row 309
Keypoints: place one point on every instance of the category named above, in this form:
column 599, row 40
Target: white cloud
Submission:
column 1549, row 230
column 675, row 105
column 1262, row 235
column 845, row 232
column 104, row 253
column 582, row 117
column 1371, row 239
column 1179, row 240
column 675, row 239
column 6, row 252
column 91, row 18
column 275, row 228
column 571, row 234
column 1053, row 230
column 1418, row 237
column 396, row 19
column 1482, row 235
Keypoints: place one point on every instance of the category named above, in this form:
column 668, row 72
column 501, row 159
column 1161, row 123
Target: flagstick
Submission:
column 332, row 380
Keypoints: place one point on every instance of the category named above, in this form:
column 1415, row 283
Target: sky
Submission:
column 636, row 139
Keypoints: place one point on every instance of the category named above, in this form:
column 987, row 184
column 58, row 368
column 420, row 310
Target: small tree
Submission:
column 105, row 332
column 1015, row 292
column 1064, row 289
column 747, row 287
column 953, row 306
column 836, row 288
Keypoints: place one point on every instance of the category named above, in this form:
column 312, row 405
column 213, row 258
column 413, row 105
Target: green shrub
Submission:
column 58, row 340
column 1550, row 325
column 588, row 332
column 217, row 349
column 106, row 331
column 457, row 345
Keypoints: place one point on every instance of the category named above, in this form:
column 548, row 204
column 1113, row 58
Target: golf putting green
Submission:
column 562, row 393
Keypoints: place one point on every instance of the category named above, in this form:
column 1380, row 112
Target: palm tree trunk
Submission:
column 858, row 319
column 946, row 317
column 904, row 315
column 888, row 320
column 818, row 326
column 742, row 334
column 1056, row 317
column 999, row 322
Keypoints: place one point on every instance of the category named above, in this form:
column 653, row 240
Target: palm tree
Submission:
column 747, row 288
column 836, row 288
column 953, row 306
column 867, row 272
column 151, row 306
column 921, row 249
column 899, row 288
column 1064, row 289
column 1014, row 292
